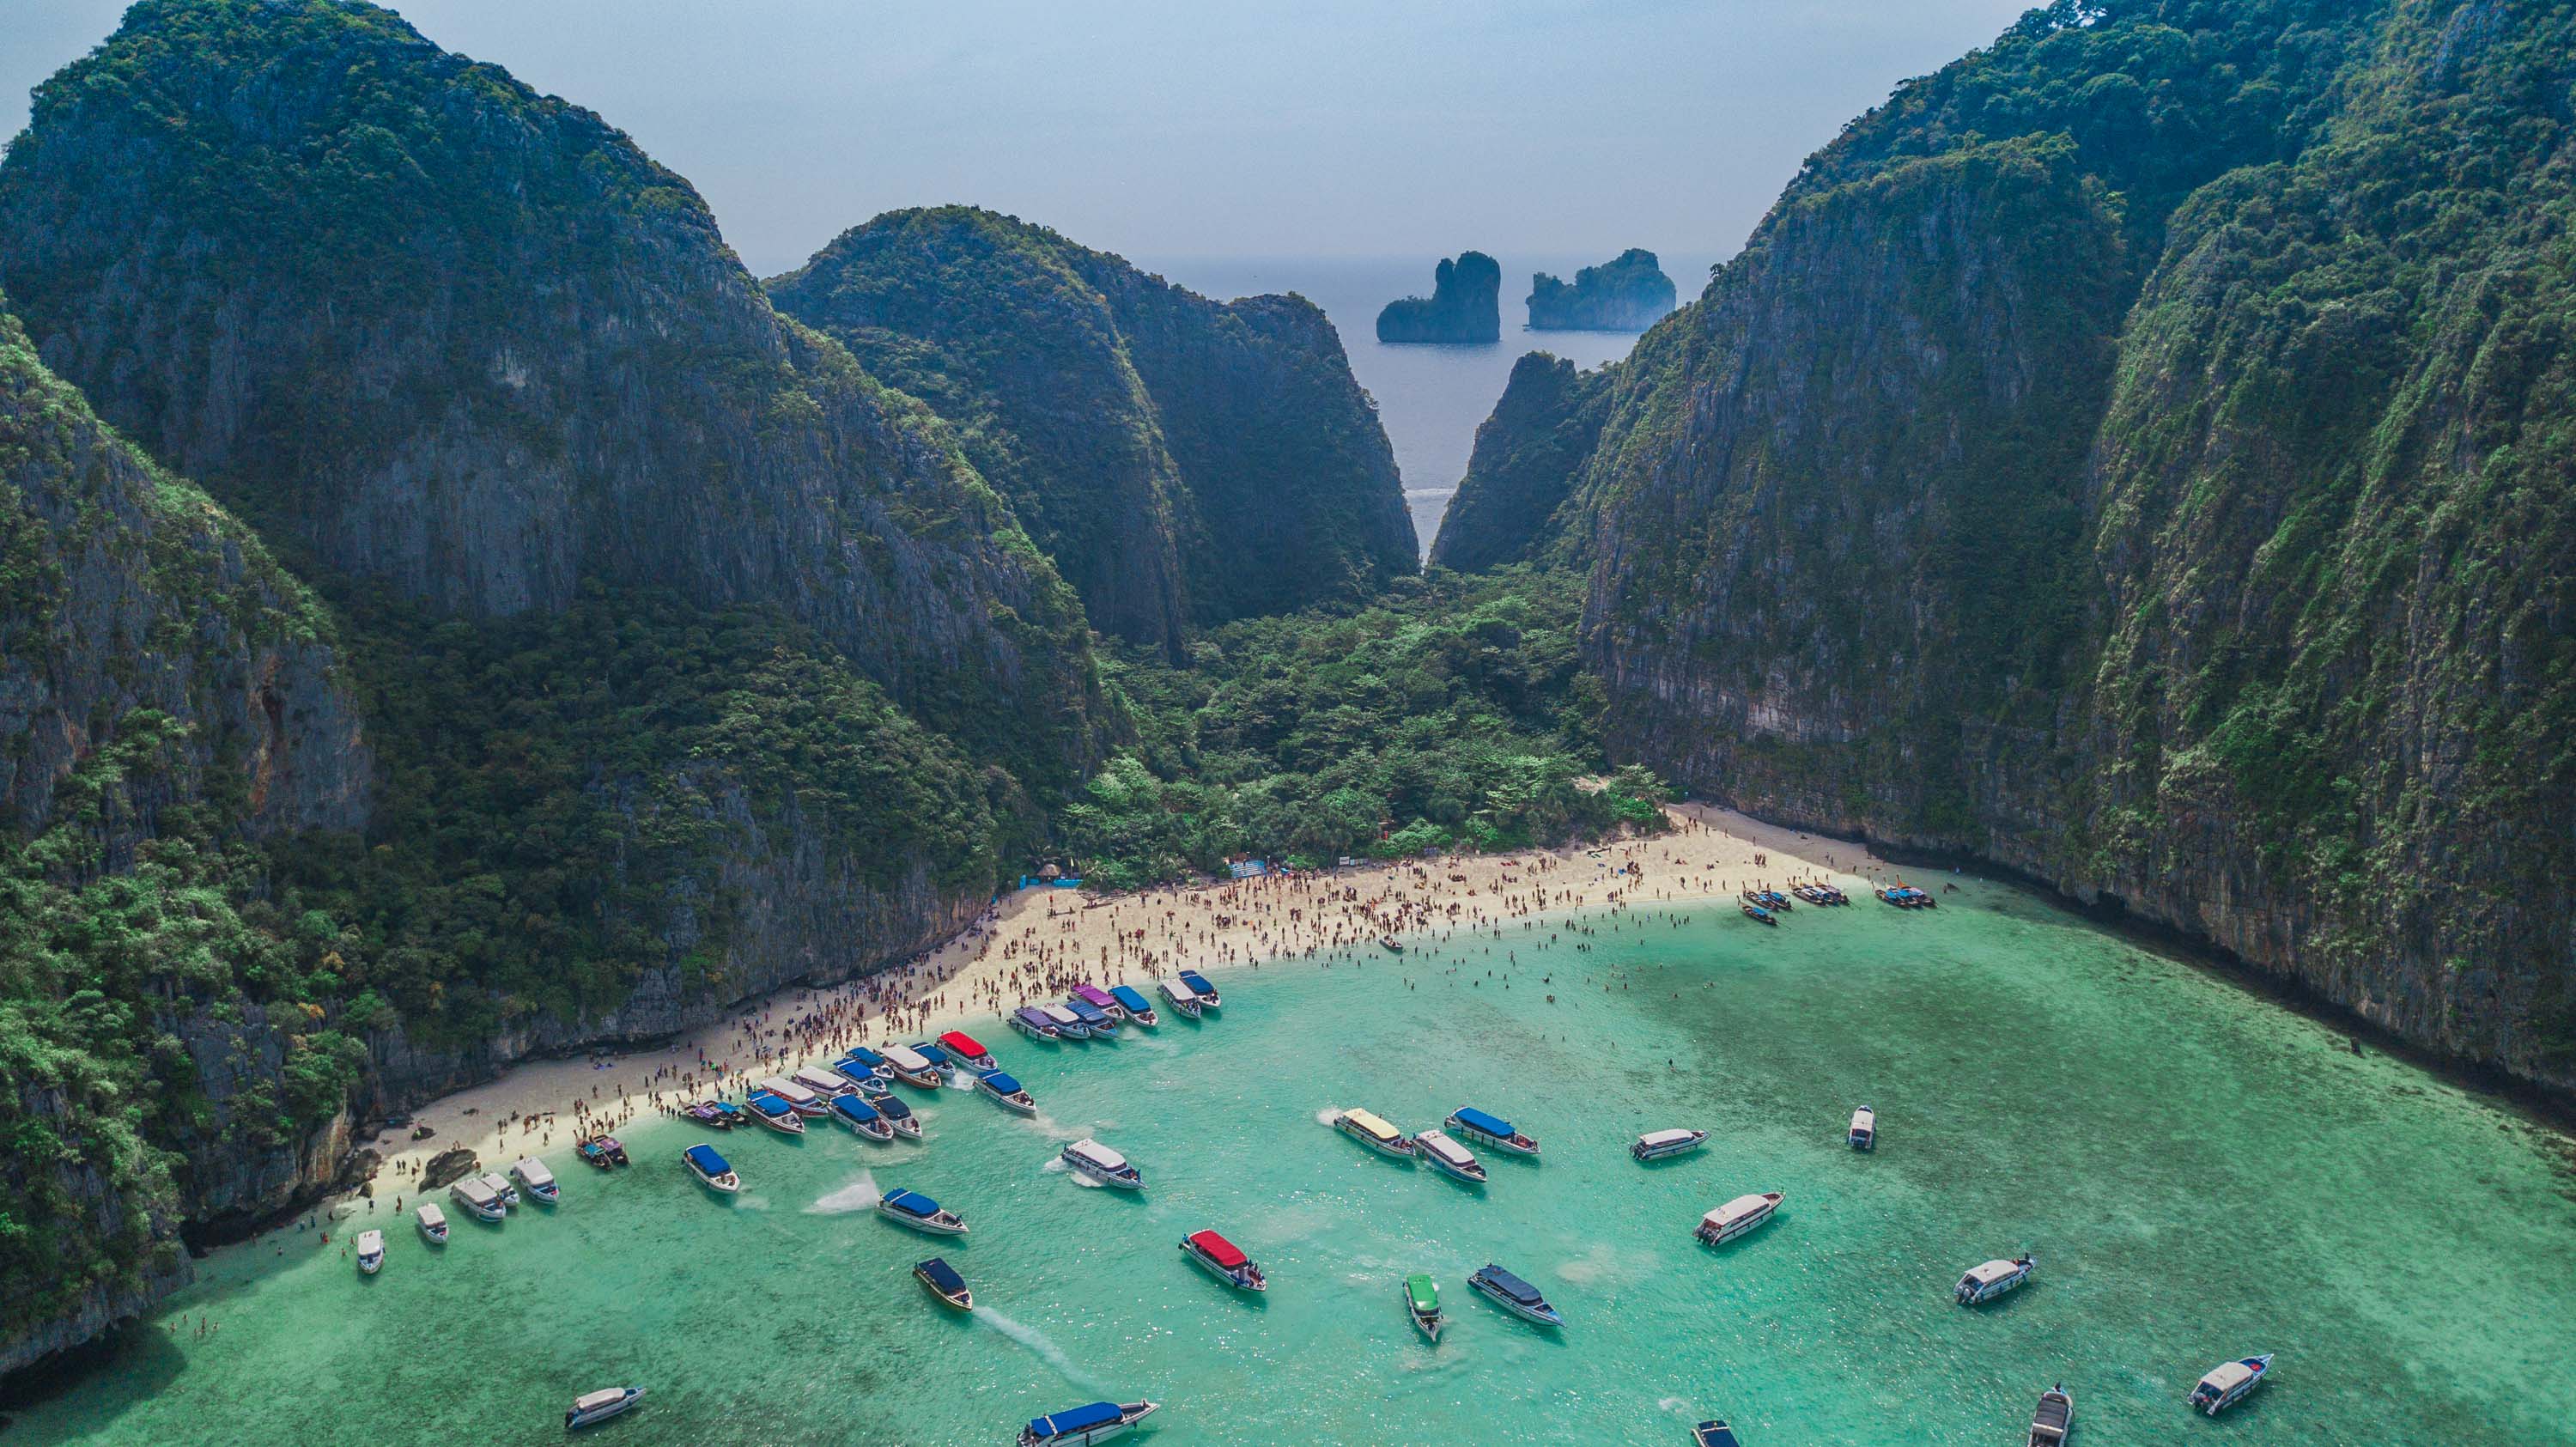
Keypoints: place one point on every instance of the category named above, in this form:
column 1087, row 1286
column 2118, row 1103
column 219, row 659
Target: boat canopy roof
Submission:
column 1218, row 1249
column 1992, row 1272
column 942, row 1275
column 1080, row 1419
column 855, row 1108
column 998, row 1081
column 370, row 1240
column 963, row 1043
column 1475, row 1119
column 1086, row 1012
column 705, row 1158
column 1743, row 1206
column 1374, row 1124
column 2226, row 1375
column 785, row 1089
column 604, row 1397
column 864, row 1056
column 429, row 1212
column 815, row 1077
column 770, row 1103
column 1094, row 994
column 904, row 1057
column 533, row 1171
column 891, row 1107
column 1128, row 996
column 1058, row 1015
column 1511, row 1286
column 473, row 1189
column 1197, row 981
column 1446, row 1149
column 1098, row 1154
column 1420, row 1290
column 911, row 1203
column 1665, row 1137
column 931, row 1053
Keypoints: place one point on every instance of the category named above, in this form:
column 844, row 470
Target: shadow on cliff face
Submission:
column 139, row 1354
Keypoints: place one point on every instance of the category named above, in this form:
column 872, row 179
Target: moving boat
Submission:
column 601, row 1405
column 1374, row 1132
column 795, row 1097
column 911, row 1208
column 1515, row 1295
column 710, row 1169
column 1986, row 1282
column 2054, row 1419
column 1100, row 1163
column 1183, row 998
column 1133, row 1001
column 1085, row 1425
column 1093, row 1018
column 1005, row 1092
column 536, row 1180
column 433, row 1223
column 1067, row 1024
column 1100, row 1000
column 852, row 1110
column 872, row 1060
column 912, row 1067
column 1758, row 914
column 2228, row 1382
column 1449, row 1157
column 1654, row 1145
column 1224, row 1258
column 1714, row 1434
column 966, row 1050
column 603, row 1151
column 478, row 1199
column 1200, row 987
column 776, row 1114
column 941, row 1062
column 899, row 1116
column 1422, row 1303
column 371, row 1252
column 823, row 1083
column 1490, row 1130
column 1864, row 1130
column 1033, row 1023
column 499, row 1185
column 1737, row 1217
column 944, row 1283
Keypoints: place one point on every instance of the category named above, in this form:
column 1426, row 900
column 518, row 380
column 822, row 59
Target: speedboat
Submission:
column 912, row 1067
column 1864, row 1130
column 601, row 1405
column 371, row 1252
column 911, row 1208
column 1138, row 1008
column 1100, row 1000
column 1032, row 1022
column 899, row 1116
column 861, row 1074
column 1714, row 1434
column 1757, row 913
column 1199, row 986
column 1986, row 1282
column 479, row 1200
column 2054, row 1419
column 710, row 1169
column 1068, row 1025
column 2228, row 1382
column 1090, row 1158
column 966, row 1050
column 1005, row 1092
column 602, row 1151
column 823, row 1083
column 1515, row 1295
column 940, row 1060
column 803, row 1100
column 861, row 1055
column 776, row 1114
column 433, row 1223
column 944, row 1283
column 1422, row 1303
column 1374, row 1132
column 1449, row 1157
column 1183, row 998
column 1490, row 1130
column 1094, row 1019
column 1737, row 1217
column 499, row 1185
column 1654, row 1145
column 852, row 1110
column 536, row 1180
column 1085, row 1425
column 1224, row 1258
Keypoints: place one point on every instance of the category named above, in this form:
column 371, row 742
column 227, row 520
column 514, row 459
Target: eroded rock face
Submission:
column 1626, row 294
column 1464, row 306
column 1510, row 507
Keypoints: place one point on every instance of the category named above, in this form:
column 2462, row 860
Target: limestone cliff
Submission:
column 1510, row 506
column 1626, row 294
column 1464, row 306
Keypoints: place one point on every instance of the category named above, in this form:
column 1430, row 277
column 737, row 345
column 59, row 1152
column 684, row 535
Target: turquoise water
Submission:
column 2201, row 1174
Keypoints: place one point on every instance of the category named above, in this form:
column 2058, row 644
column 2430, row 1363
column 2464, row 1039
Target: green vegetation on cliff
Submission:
column 1464, row 306
column 1510, row 507
column 1626, row 294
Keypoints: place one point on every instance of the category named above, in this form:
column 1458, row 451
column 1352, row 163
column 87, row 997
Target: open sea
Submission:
column 2201, row 1173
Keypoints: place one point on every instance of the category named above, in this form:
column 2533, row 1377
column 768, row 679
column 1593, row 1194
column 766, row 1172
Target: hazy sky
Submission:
column 1209, row 128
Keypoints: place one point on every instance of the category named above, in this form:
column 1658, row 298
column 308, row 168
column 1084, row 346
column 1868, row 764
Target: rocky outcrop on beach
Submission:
column 1465, row 305
column 2128, row 456
column 1183, row 461
column 1627, row 294
column 1510, row 507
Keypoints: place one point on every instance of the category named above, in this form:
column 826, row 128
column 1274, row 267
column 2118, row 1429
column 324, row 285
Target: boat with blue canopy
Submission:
column 1083, row 1426
column 1714, row 1434
column 1005, row 1092
column 944, row 1283
column 711, row 1169
column 862, row 1118
column 1491, row 1130
column 1514, row 1295
column 940, row 1060
column 899, row 1116
column 1032, row 1022
column 1093, row 1018
column 911, row 1208
column 876, row 1064
column 776, row 1114
column 1200, row 987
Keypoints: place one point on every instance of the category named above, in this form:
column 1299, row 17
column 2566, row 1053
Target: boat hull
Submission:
column 1107, row 1178
column 1249, row 1279
column 935, row 1226
column 788, row 1124
column 1537, row 1316
column 1515, row 1145
column 1666, row 1152
column 1733, row 1230
column 1021, row 1103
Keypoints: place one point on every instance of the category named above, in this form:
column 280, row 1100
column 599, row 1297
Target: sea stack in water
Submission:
column 1626, row 295
column 1465, row 305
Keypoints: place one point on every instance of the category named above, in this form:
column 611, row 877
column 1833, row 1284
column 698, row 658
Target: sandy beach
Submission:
column 1037, row 943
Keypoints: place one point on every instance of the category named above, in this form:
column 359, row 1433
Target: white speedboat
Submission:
column 499, row 1185
column 1005, row 1091
column 1654, row 1145
column 2228, row 1382
column 1514, row 1295
column 1491, row 1130
column 1138, row 1008
column 1201, row 986
column 1090, row 1158
column 1032, row 1022
column 432, row 1222
column 823, row 1083
column 536, row 1180
column 1083, row 1426
column 853, row 1110
column 601, row 1405
column 479, row 1200
column 912, row 1067
column 1986, row 1282
column 1737, row 1217
column 1374, row 1132
column 371, row 1251
column 1068, row 1025
column 900, row 1116
column 775, row 1112
column 801, row 1099
column 712, row 1170
column 1448, row 1157
column 911, row 1208
column 1183, row 998
column 1864, row 1130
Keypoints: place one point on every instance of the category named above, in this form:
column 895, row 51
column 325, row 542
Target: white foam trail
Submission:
column 857, row 1195
column 1036, row 1341
column 1671, row 1404
column 1055, row 1166
column 1328, row 1115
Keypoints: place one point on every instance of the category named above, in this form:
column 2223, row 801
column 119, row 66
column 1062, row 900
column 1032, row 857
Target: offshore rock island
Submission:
column 1628, row 294
column 1465, row 305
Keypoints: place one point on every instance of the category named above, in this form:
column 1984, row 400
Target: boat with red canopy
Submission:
column 967, row 1049
column 1224, row 1258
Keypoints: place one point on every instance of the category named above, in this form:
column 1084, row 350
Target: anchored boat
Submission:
column 536, row 1180
column 911, row 1208
column 1374, row 1132
column 1491, row 1130
column 875, row 1063
column 851, row 1110
column 800, row 1099
column 1514, row 1295
column 1005, row 1092
column 1864, row 1130
column 1199, row 986
column 942, row 1064
column 776, row 1114
column 822, row 1084
column 1714, row 1434
column 1737, row 1217
column 499, row 1185
column 601, row 1405
column 1032, row 1022
column 1422, row 1303
column 2228, row 1382
column 1183, row 998
column 1067, row 1024
column 712, row 1170
column 912, row 1067
column 603, row 1151
column 1449, row 1157
column 1090, row 1158
column 944, row 1283
column 1100, row 1000
column 1133, row 1001
column 966, row 1050
column 1986, row 1282
column 1094, row 1019
column 433, row 1223
column 1654, row 1145
column 1085, row 1425
column 2054, row 1419
column 899, row 1116
column 479, row 1200
column 371, row 1252
column 1225, row 1259
column 1757, row 914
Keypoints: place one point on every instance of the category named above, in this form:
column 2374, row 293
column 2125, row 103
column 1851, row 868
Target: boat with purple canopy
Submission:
column 1033, row 1023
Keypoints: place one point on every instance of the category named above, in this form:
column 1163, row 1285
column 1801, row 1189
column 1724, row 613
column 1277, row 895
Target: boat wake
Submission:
column 1671, row 1404
column 1055, row 1166
column 1328, row 1115
column 859, row 1195
column 1037, row 1341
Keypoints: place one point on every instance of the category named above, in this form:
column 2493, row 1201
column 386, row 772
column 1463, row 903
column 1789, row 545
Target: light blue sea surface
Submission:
column 2201, row 1173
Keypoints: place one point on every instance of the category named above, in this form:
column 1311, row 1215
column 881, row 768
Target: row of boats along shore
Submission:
column 856, row 1092
column 1765, row 906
